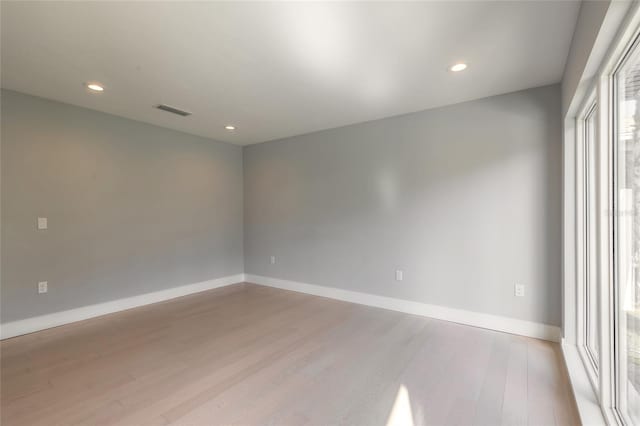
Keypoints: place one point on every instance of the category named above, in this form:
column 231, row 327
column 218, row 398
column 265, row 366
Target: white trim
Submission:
column 607, row 374
column 29, row 325
column 569, row 235
column 476, row 319
column 587, row 237
column 583, row 393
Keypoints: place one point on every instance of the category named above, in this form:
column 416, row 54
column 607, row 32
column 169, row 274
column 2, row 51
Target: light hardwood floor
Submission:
column 253, row 355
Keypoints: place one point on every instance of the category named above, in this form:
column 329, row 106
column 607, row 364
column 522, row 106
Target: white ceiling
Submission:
column 279, row 69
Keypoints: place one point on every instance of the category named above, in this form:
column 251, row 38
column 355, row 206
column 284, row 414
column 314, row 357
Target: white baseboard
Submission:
column 29, row 325
column 476, row 319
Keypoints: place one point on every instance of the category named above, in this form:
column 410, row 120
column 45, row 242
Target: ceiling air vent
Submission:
column 173, row 110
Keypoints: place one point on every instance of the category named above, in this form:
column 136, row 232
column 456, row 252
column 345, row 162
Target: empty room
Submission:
column 320, row 213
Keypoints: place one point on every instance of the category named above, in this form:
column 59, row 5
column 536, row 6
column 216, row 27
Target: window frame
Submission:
column 612, row 392
column 620, row 397
column 606, row 383
column 586, row 241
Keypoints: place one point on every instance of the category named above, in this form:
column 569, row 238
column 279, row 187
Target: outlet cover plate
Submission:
column 518, row 290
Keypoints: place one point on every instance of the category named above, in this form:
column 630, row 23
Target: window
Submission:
column 602, row 231
column 589, row 291
column 626, row 233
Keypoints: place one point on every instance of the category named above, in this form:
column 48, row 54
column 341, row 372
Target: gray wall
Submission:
column 590, row 19
column 465, row 199
column 132, row 208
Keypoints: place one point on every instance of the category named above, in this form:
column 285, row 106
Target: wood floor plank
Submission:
column 285, row 380
column 542, row 379
column 253, row 355
column 514, row 402
column 488, row 410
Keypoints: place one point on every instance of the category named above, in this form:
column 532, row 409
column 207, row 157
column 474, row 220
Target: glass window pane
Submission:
column 627, row 233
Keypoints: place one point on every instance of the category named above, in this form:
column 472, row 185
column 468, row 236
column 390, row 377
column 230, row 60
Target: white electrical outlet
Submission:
column 42, row 223
column 519, row 290
column 43, row 287
column 399, row 275
column 273, row 260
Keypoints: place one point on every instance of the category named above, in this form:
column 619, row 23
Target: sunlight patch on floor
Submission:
column 401, row 414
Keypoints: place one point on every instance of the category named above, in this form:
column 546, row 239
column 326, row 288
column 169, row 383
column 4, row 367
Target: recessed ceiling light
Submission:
column 458, row 67
column 230, row 127
column 95, row 87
